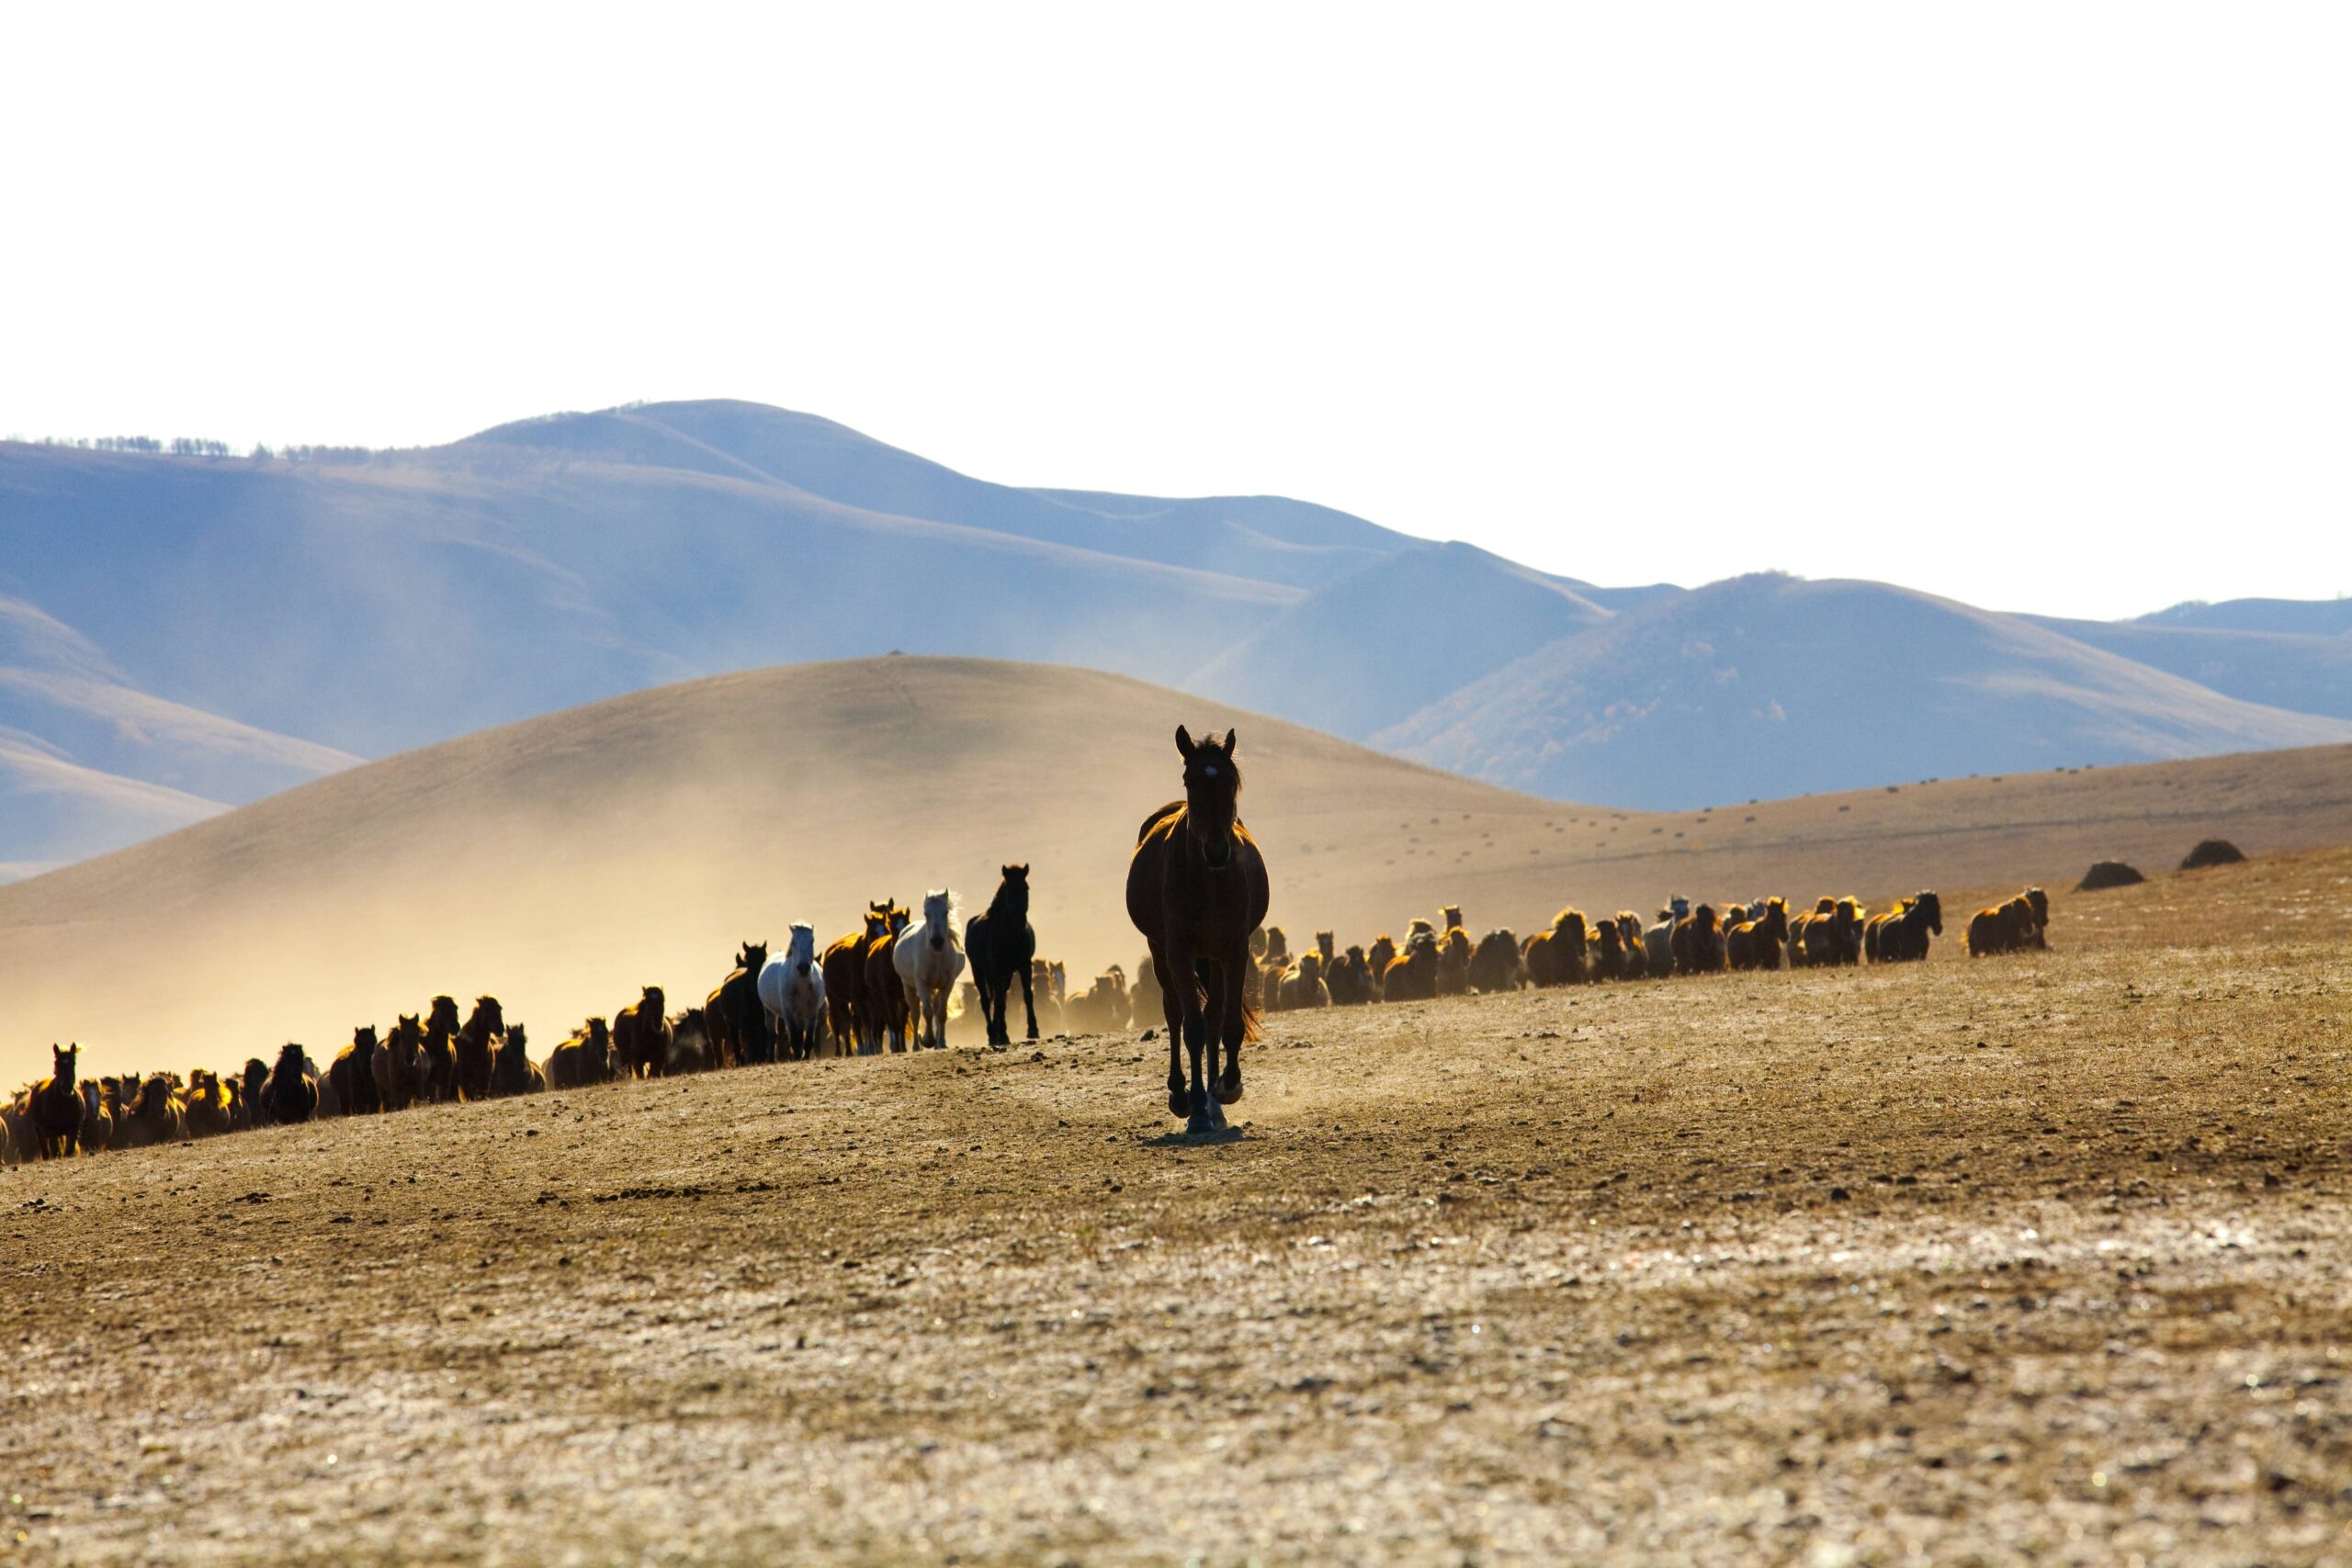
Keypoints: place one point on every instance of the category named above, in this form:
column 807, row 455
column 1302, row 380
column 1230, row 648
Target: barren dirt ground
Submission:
column 2038, row 1259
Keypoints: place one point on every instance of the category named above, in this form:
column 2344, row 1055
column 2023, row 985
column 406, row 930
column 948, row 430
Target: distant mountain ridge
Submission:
column 178, row 633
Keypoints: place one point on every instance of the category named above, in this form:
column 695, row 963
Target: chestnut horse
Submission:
column 1756, row 942
column 1197, row 888
column 1901, row 935
column 1001, row 946
column 844, row 969
column 887, row 1008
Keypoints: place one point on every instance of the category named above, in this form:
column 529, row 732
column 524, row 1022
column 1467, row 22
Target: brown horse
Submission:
column 1699, row 943
column 291, row 1094
column 1197, row 888
column 1810, row 939
column 585, row 1058
column 1629, row 932
column 641, row 1035
column 55, row 1109
column 1376, row 963
column 207, row 1111
column 399, row 1065
column 513, row 1072
column 2039, row 902
column 1901, row 935
column 1412, row 974
column 1304, row 987
column 845, row 966
column 1556, row 956
column 440, row 1058
column 1496, row 965
column 1454, row 950
column 473, row 1046
column 156, row 1116
column 1265, row 993
column 353, row 1072
column 1756, row 944
column 2004, row 928
column 886, row 1011
column 1608, row 951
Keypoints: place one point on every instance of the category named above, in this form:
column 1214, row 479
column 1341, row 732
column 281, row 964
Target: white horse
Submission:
column 792, row 989
column 929, row 960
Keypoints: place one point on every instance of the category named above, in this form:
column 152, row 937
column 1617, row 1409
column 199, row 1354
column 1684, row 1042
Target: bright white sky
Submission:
column 2044, row 307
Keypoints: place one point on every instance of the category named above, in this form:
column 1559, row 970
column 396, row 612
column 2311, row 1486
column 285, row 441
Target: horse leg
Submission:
column 1028, row 1003
column 1233, row 1024
column 1171, row 1008
column 1201, row 998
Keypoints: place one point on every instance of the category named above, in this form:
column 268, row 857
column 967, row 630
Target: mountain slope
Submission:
column 1266, row 538
column 1771, row 683
column 2301, row 671
column 213, row 629
column 2311, row 617
column 1383, row 643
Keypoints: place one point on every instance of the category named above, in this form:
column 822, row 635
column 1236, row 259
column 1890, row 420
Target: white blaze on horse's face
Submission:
column 1211, row 785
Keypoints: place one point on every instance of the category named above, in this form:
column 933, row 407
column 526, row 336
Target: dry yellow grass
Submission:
column 564, row 862
column 2039, row 1258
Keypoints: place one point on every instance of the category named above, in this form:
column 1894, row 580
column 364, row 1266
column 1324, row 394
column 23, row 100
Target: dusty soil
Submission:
column 2039, row 1259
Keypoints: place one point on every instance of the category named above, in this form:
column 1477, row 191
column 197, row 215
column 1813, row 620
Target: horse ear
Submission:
column 1184, row 742
column 1230, row 736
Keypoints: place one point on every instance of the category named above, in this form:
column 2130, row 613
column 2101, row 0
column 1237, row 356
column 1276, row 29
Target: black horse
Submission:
column 1197, row 888
column 737, row 1022
column 1001, row 946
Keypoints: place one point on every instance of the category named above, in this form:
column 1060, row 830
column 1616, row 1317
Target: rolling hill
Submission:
column 566, row 860
column 1735, row 690
column 181, row 635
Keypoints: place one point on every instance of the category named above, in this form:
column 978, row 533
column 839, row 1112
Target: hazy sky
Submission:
column 2044, row 307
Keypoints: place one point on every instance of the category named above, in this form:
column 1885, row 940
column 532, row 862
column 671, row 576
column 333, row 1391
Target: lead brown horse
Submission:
column 1197, row 888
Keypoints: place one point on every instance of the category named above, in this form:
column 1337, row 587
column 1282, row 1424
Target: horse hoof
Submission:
column 1228, row 1089
column 1198, row 1123
column 1179, row 1103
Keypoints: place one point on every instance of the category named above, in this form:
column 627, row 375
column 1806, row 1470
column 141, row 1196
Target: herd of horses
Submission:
column 1197, row 890
column 1442, row 959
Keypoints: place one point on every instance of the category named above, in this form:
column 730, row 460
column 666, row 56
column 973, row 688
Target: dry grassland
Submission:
column 2026, row 1259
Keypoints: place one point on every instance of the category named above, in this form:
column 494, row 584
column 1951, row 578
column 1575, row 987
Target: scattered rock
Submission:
column 2212, row 852
column 2108, row 874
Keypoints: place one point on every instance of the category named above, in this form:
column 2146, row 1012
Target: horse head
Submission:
column 64, row 1058
column 651, row 1002
column 939, row 917
column 1012, row 893
column 1932, row 909
column 1212, row 795
column 802, row 951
